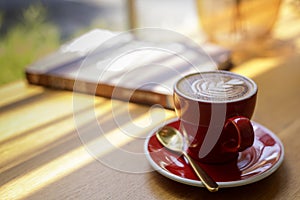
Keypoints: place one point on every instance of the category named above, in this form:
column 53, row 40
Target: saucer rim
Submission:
column 198, row 183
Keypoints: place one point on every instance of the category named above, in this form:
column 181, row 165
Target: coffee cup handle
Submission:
column 244, row 131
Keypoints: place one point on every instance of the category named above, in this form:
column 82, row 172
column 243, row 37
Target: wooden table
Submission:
column 62, row 145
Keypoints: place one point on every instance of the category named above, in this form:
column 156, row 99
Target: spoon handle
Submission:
column 207, row 181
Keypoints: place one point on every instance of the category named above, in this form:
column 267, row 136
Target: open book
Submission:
column 124, row 66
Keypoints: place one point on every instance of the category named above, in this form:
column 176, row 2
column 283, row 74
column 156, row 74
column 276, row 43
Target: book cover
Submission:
column 126, row 66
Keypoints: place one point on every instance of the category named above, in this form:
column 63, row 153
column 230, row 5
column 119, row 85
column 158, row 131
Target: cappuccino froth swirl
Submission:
column 216, row 86
column 218, row 89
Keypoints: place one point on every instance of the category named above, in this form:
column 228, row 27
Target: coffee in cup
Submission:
column 215, row 109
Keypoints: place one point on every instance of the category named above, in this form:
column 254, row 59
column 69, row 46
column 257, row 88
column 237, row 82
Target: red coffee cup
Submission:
column 215, row 109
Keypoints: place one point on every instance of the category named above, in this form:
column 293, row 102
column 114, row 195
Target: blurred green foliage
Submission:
column 30, row 39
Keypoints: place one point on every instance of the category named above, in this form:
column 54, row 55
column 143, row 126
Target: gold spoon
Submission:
column 172, row 139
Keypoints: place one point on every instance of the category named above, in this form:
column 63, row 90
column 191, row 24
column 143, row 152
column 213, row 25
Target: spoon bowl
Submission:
column 170, row 138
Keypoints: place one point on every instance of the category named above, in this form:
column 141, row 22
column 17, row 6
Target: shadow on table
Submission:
column 65, row 143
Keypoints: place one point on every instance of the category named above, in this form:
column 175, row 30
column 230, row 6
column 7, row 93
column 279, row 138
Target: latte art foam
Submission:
column 219, row 89
column 217, row 86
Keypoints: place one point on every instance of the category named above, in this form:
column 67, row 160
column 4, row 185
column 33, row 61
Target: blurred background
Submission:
column 31, row 29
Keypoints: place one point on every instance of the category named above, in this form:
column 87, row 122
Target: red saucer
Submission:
column 253, row 164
